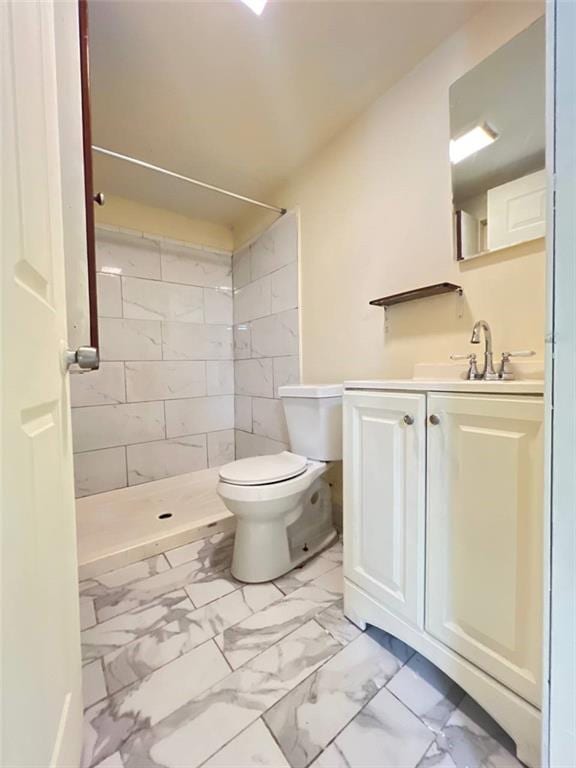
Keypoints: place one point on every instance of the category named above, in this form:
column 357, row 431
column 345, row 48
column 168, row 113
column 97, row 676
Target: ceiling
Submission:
column 210, row 90
column 483, row 95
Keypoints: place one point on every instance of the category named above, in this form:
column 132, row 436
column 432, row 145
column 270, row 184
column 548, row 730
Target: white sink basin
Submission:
column 518, row 387
column 451, row 377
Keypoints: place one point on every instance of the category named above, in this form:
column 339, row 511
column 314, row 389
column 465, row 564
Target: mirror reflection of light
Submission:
column 256, row 5
column 471, row 142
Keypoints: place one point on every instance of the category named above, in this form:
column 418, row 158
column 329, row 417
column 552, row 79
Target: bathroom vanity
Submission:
column 443, row 524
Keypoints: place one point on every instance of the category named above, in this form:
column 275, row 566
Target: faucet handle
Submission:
column 504, row 371
column 473, row 368
column 522, row 353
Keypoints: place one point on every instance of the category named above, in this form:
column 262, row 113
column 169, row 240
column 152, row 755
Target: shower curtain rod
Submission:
column 203, row 184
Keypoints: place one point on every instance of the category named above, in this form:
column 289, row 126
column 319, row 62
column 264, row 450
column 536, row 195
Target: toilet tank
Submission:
column 314, row 419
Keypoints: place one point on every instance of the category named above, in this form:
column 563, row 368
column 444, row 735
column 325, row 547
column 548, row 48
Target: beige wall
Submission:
column 129, row 214
column 375, row 219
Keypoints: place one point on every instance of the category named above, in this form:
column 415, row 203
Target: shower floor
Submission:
column 121, row 527
column 184, row 667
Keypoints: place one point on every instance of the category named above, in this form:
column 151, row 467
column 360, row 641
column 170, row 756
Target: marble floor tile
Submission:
column 123, row 577
column 299, row 576
column 334, row 621
column 87, row 612
column 332, row 580
column 332, row 757
column 211, row 586
column 396, row 647
column 233, row 608
column 385, row 734
column 109, row 636
column 250, row 637
column 210, row 551
column 114, row 761
column 171, row 640
column 472, row 739
column 436, row 758
column 205, row 724
column 253, row 748
column 306, row 720
column 333, row 552
column 161, row 693
column 426, row 691
column 93, row 684
column 151, row 700
column 127, row 598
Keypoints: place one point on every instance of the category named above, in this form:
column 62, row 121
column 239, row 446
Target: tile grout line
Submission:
column 200, row 693
column 203, row 763
column 416, row 715
column 203, row 691
column 366, row 704
column 217, row 574
column 280, row 600
column 271, row 732
column 196, row 608
column 154, row 601
column 137, row 683
column 261, row 716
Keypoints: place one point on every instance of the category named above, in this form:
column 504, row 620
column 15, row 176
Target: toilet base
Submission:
column 266, row 550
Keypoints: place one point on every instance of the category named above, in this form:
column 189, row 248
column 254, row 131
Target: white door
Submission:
column 384, row 486
column 561, row 375
column 484, row 533
column 517, row 211
column 39, row 651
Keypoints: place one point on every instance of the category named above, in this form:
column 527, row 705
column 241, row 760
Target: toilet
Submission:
column 282, row 502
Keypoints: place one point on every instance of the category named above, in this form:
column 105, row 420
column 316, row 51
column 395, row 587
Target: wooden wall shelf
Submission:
column 418, row 293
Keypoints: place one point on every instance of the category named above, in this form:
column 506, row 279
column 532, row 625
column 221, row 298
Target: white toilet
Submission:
column 282, row 502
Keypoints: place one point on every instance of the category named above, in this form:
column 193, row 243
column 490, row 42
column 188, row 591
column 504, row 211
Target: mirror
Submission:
column 497, row 148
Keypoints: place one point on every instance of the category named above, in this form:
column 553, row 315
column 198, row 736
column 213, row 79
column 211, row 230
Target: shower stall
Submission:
column 194, row 343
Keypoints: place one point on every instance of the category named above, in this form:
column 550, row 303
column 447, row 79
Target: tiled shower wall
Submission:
column 163, row 401
column 266, row 337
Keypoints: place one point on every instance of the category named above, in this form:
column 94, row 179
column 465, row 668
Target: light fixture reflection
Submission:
column 256, row 5
column 471, row 142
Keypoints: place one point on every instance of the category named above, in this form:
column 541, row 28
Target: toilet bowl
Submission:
column 282, row 502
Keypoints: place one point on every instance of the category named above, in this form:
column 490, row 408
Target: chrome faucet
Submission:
column 488, row 373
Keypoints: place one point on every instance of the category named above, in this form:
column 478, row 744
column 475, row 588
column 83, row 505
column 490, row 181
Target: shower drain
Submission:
column 164, row 515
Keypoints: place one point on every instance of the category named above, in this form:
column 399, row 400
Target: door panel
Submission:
column 517, row 211
column 485, row 504
column 40, row 655
column 384, row 498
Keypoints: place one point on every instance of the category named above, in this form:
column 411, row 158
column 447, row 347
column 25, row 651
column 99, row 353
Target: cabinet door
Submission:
column 484, row 533
column 384, row 478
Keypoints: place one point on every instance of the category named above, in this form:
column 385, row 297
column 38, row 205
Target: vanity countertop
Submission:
column 518, row 387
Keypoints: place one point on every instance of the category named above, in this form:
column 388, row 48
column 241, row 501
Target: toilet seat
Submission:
column 264, row 470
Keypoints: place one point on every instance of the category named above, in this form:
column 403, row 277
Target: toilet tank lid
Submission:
column 311, row 390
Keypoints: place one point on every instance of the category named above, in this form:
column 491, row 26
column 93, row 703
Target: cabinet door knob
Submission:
column 434, row 419
column 408, row 419
column 99, row 198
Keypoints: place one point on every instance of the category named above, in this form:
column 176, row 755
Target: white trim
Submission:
column 560, row 733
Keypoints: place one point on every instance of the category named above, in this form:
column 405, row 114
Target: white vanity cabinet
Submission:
column 385, row 452
column 443, row 536
column 484, row 534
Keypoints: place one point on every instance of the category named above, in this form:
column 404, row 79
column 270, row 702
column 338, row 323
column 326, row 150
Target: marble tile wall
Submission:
column 266, row 336
column 162, row 402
